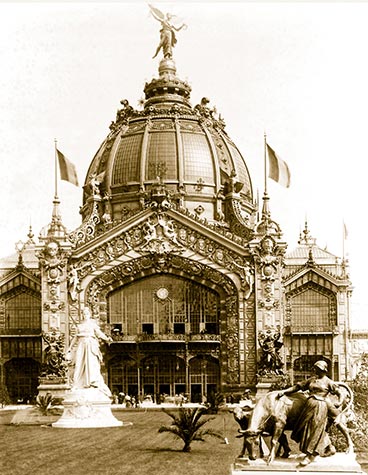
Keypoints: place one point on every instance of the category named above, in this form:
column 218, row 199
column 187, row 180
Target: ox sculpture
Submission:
column 273, row 414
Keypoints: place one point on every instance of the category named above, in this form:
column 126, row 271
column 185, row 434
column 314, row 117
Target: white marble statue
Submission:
column 85, row 354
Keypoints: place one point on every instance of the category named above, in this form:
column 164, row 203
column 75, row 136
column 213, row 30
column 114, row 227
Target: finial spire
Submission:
column 305, row 237
column 30, row 235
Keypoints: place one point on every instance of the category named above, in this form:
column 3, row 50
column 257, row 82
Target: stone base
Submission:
column 87, row 408
column 32, row 416
column 58, row 387
column 339, row 464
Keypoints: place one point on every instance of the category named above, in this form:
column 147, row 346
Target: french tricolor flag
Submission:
column 278, row 170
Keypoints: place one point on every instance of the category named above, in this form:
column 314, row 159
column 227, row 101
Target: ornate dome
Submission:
column 182, row 149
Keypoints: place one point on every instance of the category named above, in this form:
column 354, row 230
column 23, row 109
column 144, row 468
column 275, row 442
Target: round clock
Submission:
column 162, row 293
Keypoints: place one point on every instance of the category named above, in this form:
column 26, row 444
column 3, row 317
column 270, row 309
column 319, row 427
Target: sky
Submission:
column 295, row 71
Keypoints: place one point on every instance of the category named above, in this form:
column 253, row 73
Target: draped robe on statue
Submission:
column 87, row 356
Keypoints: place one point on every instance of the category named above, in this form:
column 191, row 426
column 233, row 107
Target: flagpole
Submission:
column 56, row 189
column 265, row 162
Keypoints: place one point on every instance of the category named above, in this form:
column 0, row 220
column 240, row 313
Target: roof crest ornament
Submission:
column 167, row 33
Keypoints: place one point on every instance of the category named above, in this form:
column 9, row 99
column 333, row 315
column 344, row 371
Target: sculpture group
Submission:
column 307, row 409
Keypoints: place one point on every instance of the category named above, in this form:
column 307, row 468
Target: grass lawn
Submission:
column 135, row 450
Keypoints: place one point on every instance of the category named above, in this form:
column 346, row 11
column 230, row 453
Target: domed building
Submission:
column 177, row 266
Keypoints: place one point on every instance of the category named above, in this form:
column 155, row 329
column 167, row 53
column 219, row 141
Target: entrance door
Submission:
column 211, row 390
column 179, row 388
column 21, row 379
column 165, row 389
column 196, row 392
column 149, row 389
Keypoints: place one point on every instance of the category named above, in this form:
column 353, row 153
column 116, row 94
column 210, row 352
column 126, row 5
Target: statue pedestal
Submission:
column 87, row 408
column 58, row 387
column 265, row 383
column 338, row 464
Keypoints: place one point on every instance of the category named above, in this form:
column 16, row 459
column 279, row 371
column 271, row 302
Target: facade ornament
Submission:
column 270, row 343
column 73, row 283
column 268, row 256
column 160, row 236
column 50, row 259
column 54, row 364
column 87, row 230
column 204, row 110
column 106, row 217
column 53, row 306
column 200, row 184
column 208, row 114
column 159, row 197
column 233, row 185
column 123, row 115
column 232, row 340
column 95, row 184
column 247, row 277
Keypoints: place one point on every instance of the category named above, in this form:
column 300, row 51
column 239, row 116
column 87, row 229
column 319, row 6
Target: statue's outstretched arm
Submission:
column 100, row 334
column 180, row 27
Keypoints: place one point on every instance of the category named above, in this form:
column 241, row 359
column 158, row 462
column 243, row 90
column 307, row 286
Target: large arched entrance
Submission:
column 163, row 315
column 21, row 378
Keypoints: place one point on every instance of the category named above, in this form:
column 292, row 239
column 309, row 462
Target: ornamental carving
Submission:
column 268, row 256
column 231, row 343
column 53, row 306
column 87, row 230
column 54, row 364
column 219, row 254
column 268, row 302
column 73, row 283
column 159, row 236
column 239, row 220
column 209, row 115
column 270, row 343
column 53, row 261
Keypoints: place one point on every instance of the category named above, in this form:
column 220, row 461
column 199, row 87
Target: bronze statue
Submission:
column 167, row 33
column 307, row 409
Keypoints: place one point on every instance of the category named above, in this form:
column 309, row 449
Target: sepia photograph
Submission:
column 182, row 237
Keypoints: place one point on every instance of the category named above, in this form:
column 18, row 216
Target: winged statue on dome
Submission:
column 169, row 25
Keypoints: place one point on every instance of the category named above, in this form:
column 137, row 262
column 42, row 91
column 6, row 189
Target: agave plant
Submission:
column 187, row 425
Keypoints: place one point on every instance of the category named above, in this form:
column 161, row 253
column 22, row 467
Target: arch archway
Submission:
column 21, row 378
column 217, row 324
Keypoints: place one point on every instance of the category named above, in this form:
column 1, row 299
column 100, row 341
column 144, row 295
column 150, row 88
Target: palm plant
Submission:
column 215, row 401
column 187, row 425
column 46, row 403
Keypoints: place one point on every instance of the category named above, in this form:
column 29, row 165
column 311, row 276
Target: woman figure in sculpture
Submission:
column 167, row 32
column 87, row 356
column 310, row 429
